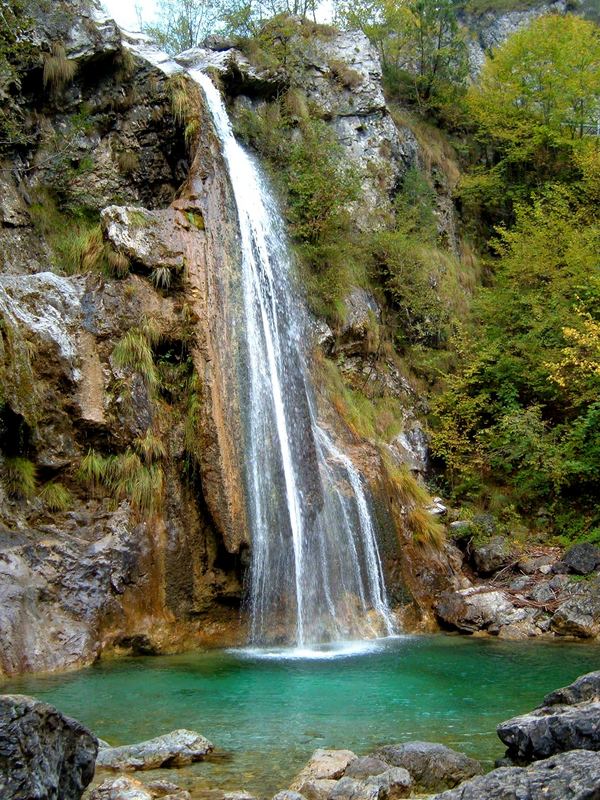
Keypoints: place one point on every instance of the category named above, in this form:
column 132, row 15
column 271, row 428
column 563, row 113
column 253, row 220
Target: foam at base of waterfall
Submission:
column 332, row 650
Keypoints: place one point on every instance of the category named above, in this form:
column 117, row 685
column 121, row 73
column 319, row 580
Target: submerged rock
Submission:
column 569, row 776
column 175, row 749
column 432, row 766
column 323, row 765
column 43, row 754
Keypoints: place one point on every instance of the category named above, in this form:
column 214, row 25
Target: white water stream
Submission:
column 316, row 573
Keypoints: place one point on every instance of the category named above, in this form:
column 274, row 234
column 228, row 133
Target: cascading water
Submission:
column 316, row 574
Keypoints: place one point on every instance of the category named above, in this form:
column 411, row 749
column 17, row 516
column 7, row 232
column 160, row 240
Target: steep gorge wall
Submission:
column 104, row 574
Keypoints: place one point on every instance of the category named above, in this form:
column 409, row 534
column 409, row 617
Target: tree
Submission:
column 419, row 42
column 545, row 79
column 184, row 23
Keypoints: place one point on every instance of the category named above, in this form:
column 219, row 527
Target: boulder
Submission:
column 288, row 795
column 43, row 754
column 393, row 783
column 471, row 610
column 323, row 765
column 580, row 614
column 585, row 689
column 582, row 558
column 317, row 788
column 174, row 749
column 365, row 766
column 121, row 788
column 541, row 564
column 568, row 776
column 491, row 556
column 432, row 766
column 550, row 730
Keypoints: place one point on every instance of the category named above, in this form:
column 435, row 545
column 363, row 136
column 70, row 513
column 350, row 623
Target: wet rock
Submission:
column 432, row 766
column 161, row 788
column 393, row 783
column 585, row 689
column 518, row 631
column 550, row 730
column 582, row 558
column 491, row 556
column 568, row 776
column 323, row 764
column 366, row 766
column 175, row 749
column 122, row 788
column 568, row 719
column 288, row 795
column 471, row 610
column 580, row 615
column 317, row 789
column 43, row 754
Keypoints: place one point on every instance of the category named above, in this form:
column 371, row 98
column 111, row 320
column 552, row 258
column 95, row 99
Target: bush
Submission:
column 19, row 477
column 58, row 69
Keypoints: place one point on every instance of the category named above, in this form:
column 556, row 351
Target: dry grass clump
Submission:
column 185, row 105
column 344, row 74
column 58, row 69
column 128, row 162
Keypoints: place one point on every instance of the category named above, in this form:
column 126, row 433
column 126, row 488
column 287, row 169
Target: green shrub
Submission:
column 19, row 477
column 56, row 497
column 134, row 351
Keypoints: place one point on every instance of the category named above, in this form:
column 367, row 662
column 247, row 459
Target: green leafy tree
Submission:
column 423, row 51
column 184, row 23
column 544, row 80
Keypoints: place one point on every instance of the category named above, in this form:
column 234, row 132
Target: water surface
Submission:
column 266, row 714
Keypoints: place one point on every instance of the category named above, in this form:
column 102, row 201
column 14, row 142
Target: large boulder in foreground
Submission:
column 568, row 776
column 323, row 765
column 433, row 767
column 569, row 719
column 554, row 729
column 175, row 749
column 43, row 754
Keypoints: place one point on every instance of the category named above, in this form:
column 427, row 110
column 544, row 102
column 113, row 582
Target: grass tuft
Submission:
column 56, row 497
column 19, row 477
column 58, row 69
column 134, row 351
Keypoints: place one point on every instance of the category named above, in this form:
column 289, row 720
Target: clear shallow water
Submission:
column 266, row 714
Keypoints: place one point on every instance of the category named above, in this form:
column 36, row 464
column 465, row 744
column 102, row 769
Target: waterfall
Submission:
column 315, row 573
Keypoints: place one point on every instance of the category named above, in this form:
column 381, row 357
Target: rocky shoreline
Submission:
column 553, row 752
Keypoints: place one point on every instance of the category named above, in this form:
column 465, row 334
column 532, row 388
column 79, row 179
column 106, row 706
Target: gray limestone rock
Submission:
column 44, row 755
column 173, row 749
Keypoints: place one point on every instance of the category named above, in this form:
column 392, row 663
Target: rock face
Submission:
column 568, row 719
column 569, row 776
column 340, row 73
column 580, row 614
column 175, row 749
column 491, row 28
column 97, row 574
column 43, row 754
column 431, row 766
